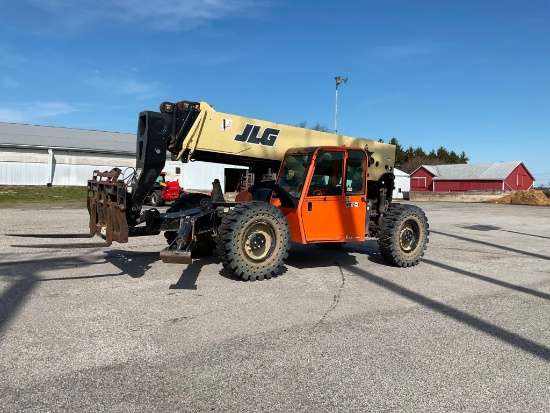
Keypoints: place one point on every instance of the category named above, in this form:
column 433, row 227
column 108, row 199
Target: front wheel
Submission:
column 156, row 199
column 403, row 235
column 253, row 240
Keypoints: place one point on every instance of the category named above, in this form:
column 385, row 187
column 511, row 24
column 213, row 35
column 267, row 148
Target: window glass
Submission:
column 356, row 168
column 327, row 177
column 294, row 173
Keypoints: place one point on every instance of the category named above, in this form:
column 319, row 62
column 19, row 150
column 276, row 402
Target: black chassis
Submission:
column 191, row 225
column 200, row 223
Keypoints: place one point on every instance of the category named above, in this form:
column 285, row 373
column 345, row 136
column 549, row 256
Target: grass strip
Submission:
column 43, row 196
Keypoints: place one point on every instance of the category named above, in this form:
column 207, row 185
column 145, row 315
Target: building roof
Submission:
column 17, row 135
column 472, row 172
column 399, row 172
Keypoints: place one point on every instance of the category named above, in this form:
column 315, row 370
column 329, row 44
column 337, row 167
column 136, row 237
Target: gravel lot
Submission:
column 117, row 330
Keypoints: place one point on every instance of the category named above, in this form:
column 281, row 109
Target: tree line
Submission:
column 410, row 159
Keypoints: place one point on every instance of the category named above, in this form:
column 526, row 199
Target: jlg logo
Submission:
column 250, row 135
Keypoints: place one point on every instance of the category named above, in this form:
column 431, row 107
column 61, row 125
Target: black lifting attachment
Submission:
column 107, row 208
column 195, row 224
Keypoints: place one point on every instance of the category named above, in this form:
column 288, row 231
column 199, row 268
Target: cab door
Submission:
column 355, row 191
column 334, row 204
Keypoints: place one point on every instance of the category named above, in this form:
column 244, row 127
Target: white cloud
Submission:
column 12, row 115
column 20, row 113
column 177, row 15
column 47, row 109
column 123, row 86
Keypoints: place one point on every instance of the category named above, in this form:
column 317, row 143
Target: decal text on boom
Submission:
column 250, row 135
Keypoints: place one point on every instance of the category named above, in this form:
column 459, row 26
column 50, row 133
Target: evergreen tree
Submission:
column 410, row 159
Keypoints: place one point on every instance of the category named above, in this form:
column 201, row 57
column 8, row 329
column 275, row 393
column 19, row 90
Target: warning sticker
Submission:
column 226, row 124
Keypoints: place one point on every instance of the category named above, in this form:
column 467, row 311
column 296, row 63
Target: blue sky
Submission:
column 471, row 76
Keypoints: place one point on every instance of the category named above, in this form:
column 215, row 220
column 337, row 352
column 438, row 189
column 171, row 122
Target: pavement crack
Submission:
column 335, row 300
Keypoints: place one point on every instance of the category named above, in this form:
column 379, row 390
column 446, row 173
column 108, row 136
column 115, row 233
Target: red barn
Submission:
column 499, row 176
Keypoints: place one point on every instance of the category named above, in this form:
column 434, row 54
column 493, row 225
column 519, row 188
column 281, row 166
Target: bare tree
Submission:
column 318, row 127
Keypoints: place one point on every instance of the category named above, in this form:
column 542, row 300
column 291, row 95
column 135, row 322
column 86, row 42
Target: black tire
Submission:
column 403, row 235
column 203, row 247
column 254, row 240
column 156, row 199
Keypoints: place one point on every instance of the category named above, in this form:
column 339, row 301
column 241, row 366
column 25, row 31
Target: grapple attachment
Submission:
column 107, row 206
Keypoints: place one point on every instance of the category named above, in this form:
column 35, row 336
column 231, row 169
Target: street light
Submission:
column 339, row 79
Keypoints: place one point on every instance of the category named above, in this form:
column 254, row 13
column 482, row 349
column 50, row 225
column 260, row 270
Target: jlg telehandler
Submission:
column 330, row 190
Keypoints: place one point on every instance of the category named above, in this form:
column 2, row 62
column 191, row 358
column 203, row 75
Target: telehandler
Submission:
column 330, row 190
column 163, row 191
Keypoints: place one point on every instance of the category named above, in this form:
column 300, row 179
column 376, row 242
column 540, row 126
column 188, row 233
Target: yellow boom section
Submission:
column 238, row 136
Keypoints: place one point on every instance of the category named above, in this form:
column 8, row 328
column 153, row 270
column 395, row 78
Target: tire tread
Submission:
column 388, row 242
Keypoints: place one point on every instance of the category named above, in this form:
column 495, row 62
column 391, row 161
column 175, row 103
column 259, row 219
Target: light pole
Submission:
column 339, row 79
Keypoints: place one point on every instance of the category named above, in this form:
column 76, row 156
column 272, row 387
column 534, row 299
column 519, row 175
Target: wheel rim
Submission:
column 409, row 236
column 259, row 241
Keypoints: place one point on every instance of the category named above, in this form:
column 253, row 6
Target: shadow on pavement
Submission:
column 190, row 274
column 133, row 264
column 481, row 227
column 462, row 317
column 489, row 244
column 490, row 280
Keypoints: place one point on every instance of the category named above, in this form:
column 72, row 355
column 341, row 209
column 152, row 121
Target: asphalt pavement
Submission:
column 115, row 329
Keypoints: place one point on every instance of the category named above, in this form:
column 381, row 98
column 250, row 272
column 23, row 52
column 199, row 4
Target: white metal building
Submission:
column 402, row 185
column 42, row 155
column 47, row 155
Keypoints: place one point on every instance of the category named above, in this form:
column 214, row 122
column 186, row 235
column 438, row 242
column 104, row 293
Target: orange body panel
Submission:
column 323, row 218
column 243, row 196
column 276, row 202
column 355, row 216
column 296, row 233
column 333, row 219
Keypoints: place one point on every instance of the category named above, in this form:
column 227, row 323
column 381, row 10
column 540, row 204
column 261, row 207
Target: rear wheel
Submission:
column 403, row 235
column 253, row 240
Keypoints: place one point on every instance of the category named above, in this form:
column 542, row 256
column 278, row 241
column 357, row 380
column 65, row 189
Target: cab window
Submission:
column 327, row 176
column 356, row 168
column 294, row 173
